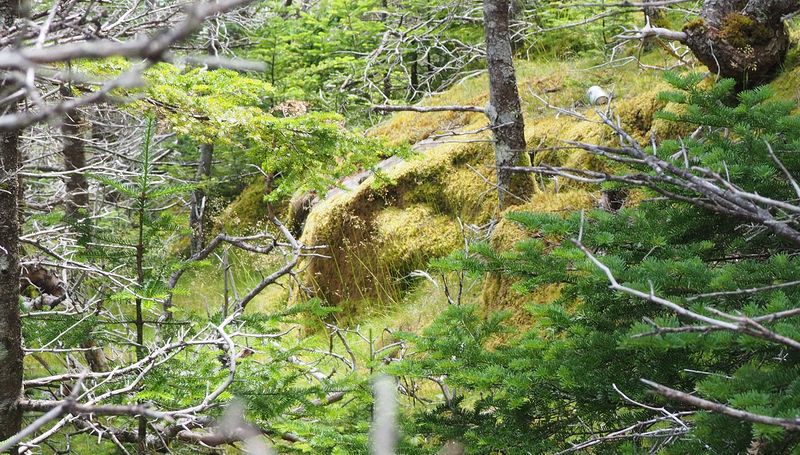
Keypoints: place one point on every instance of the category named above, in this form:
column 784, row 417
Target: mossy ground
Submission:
column 498, row 292
column 383, row 230
column 386, row 228
column 450, row 178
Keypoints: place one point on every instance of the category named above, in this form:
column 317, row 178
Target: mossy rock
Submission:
column 743, row 32
column 247, row 213
column 446, row 183
column 407, row 238
column 377, row 233
column 499, row 293
column 467, row 196
column 787, row 85
column 442, row 184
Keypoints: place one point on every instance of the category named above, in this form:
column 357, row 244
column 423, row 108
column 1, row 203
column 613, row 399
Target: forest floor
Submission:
column 561, row 83
column 372, row 322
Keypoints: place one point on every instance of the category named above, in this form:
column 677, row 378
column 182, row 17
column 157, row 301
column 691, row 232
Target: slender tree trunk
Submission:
column 10, row 337
column 76, row 204
column 516, row 9
column 10, row 331
column 504, row 110
column 746, row 40
column 74, row 160
column 387, row 84
column 387, row 78
column 140, row 351
column 655, row 17
column 414, row 72
column 198, row 201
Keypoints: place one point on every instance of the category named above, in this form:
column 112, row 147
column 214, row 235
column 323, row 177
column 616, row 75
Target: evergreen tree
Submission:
column 562, row 382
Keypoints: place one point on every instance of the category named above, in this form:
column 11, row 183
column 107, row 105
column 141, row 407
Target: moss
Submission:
column 787, row 85
column 562, row 83
column 663, row 21
column 247, row 212
column 467, row 196
column 696, row 25
column 358, row 226
column 742, row 31
column 412, row 127
column 407, row 238
column 371, row 243
column 637, row 113
column 499, row 292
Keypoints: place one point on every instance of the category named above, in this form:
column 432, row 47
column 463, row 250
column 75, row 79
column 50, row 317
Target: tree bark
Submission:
column 198, row 200
column 10, row 332
column 653, row 13
column 387, row 78
column 504, row 110
column 745, row 40
column 76, row 204
column 414, row 73
column 74, row 160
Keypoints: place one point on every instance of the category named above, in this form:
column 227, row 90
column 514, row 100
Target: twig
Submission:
column 388, row 108
column 788, row 424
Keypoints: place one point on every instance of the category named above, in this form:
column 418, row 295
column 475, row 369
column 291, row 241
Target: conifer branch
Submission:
column 711, row 190
column 740, row 324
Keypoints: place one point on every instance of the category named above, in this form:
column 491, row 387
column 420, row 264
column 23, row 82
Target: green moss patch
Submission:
column 499, row 292
column 742, row 31
column 379, row 232
column 247, row 213
column 372, row 243
column 409, row 237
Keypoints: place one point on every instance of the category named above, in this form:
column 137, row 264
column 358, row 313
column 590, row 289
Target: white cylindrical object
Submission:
column 597, row 96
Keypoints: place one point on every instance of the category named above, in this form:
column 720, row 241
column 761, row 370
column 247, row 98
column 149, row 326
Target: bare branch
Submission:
column 388, row 108
column 150, row 48
column 672, row 394
column 740, row 324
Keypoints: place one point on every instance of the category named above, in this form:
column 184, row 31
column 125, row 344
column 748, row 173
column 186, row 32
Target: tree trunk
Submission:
column 504, row 110
column 76, row 204
column 198, row 201
column 74, row 160
column 745, row 40
column 10, row 341
column 387, row 78
column 414, row 73
column 10, row 336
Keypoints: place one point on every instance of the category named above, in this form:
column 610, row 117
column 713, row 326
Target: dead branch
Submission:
column 672, row 394
column 388, row 108
column 740, row 324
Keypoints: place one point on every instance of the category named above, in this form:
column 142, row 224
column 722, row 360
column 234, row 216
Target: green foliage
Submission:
column 231, row 111
column 553, row 383
column 343, row 55
column 207, row 105
column 137, row 239
column 311, row 52
column 564, row 38
column 742, row 130
column 144, row 228
column 312, row 152
column 508, row 390
column 234, row 113
column 334, row 53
